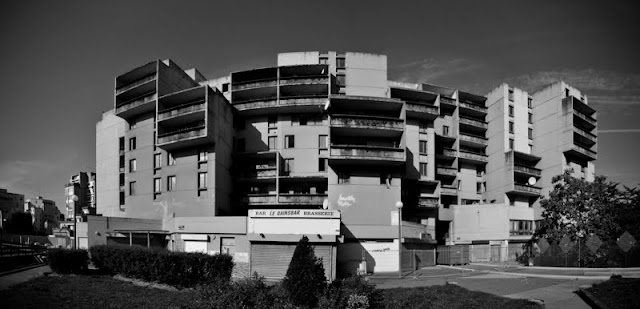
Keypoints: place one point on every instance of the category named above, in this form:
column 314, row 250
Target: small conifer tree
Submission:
column 305, row 279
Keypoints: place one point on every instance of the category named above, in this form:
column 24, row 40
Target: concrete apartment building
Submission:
column 44, row 213
column 324, row 145
column 83, row 186
column 9, row 203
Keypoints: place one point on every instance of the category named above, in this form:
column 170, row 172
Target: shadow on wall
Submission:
column 351, row 255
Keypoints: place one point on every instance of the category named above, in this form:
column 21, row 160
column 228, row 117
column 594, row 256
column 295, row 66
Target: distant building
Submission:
column 9, row 203
column 82, row 185
column 45, row 214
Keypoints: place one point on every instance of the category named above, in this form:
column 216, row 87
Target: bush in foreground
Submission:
column 175, row 268
column 68, row 261
column 352, row 292
column 305, row 279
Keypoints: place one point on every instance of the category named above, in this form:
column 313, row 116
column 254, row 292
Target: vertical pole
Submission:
column 130, row 239
column 148, row 240
column 399, row 242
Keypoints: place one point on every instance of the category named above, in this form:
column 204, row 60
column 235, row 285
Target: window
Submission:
column 132, row 165
column 289, row 141
column 225, row 87
column 530, row 118
column 511, row 95
column 272, row 121
column 324, row 60
column 322, row 164
column 340, row 62
column 423, row 147
column 171, row 183
column 423, row 169
column 322, row 141
column 202, row 181
column 445, row 130
column 157, row 160
column 302, row 120
column 273, row 141
column 133, row 124
column 340, row 80
column 511, row 143
column 423, row 127
column 156, row 185
column 288, row 165
column 529, row 101
column 566, row 92
column 384, row 177
column 530, row 133
column 132, row 143
column 121, row 180
column 479, row 171
column 132, row 188
column 203, row 155
column 479, row 187
column 170, row 159
column 510, row 127
column 121, row 198
column 122, row 163
column 240, row 145
column 511, row 110
column 121, row 143
column 344, row 178
column 521, row 227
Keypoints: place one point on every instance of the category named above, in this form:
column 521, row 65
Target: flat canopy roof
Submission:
column 143, row 231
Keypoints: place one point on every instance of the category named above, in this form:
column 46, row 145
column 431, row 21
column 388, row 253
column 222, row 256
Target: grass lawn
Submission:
column 618, row 292
column 98, row 291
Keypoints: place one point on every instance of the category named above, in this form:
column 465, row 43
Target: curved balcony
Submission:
column 260, row 199
column 137, row 106
column 447, row 153
column 473, row 124
column 366, row 154
column 428, row 202
column 473, row 157
column 526, row 190
column 447, row 171
column 367, row 122
column 301, row 199
column 472, row 140
column 185, row 137
column 527, row 170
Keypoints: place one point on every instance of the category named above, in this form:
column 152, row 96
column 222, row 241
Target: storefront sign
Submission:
column 294, row 213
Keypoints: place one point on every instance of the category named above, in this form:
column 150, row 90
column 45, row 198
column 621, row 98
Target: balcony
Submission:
column 585, row 137
column 270, row 82
column 135, row 83
column 367, row 122
column 259, row 199
column 182, row 110
column 526, row 170
column 473, row 157
column 301, row 199
column 422, row 110
column 139, row 105
column 584, row 120
column 472, row 108
column 259, row 174
column 472, row 140
column 582, row 152
column 182, row 137
column 305, row 80
column 363, row 154
column 447, row 171
column 527, row 190
column 473, row 124
column 447, row 153
column 428, row 202
column 447, row 101
column 448, row 190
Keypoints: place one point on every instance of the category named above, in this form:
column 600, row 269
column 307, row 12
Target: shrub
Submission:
column 68, row 261
column 175, row 268
column 246, row 293
column 305, row 279
column 352, row 292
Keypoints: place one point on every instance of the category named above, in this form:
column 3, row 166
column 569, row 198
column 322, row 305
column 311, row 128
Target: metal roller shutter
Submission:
column 272, row 260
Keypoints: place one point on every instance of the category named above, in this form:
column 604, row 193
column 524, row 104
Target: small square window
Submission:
column 289, row 141
column 323, row 164
column 171, row 183
column 225, row 87
column 511, row 110
column 423, row 169
column 423, row 147
column 132, row 165
column 344, row 178
column 340, row 62
column 510, row 127
column 132, row 143
column 324, row 60
column 273, row 141
column 132, row 188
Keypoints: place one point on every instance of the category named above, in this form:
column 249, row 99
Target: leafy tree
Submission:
column 305, row 279
column 20, row 223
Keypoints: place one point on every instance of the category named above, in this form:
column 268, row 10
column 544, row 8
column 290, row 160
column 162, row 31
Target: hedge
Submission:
column 68, row 261
column 175, row 268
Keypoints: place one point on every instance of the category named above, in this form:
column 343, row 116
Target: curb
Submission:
column 590, row 299
column 17, row 270
column 456, row 268
column 570, row 277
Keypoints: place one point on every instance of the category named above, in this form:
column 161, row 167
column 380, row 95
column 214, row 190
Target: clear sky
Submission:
column 60, row 58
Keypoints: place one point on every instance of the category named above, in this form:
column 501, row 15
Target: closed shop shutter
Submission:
column 272, row 260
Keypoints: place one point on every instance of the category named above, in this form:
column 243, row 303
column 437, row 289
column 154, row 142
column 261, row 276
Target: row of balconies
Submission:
column 181, row 134
column 531, row 171
column 367, row 122
column 310, row 80
column 135, row 83
column 284, row 198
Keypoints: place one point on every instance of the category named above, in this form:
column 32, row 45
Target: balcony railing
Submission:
column 588, row 135
column 299, row 198
column 367, row 152
column 445, row 100
column 448, row 191
column 421, row 108
column 135, row 83
column 474, row 139
column 526, row 189
column 259, row 83
column 259, row 174
column 449, row 152
column 584, row 117
column 136, row 102
column 474, row 107
column 475, row 123
column 180, row 110
column 527, row 170
column 428, row 202
column 450, row 171
column 182, row 134
column 259, row 199
column 587, row 152
column 473, row 156
column 317, row 79
column 352, row 121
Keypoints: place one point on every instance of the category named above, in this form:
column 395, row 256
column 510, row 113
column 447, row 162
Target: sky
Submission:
column 60, row 58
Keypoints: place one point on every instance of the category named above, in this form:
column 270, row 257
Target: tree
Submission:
column 20, row 223
column 305, row 279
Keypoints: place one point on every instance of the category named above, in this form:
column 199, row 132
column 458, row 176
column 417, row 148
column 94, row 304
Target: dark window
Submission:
column 225, row 87
column 122, row 163
column 479, row 187
column 340, row 62
column 423, row 169
column 272, row 121
column 121, row 143
column 445, row 130
column 121, row 179
column 510, row 94
column 529, row 101
column 157, row 160
column 340, row 80
column 288, row 165
column 566, row 92
column 511, row 110
column 239, row 123
column 203, row 155
column 530, row 133
column 510, row 127
column 511, row 143
column 530, row 118
column 423, row 147
column 289, row 141
column 344, row 178
column 171, row 183
column 170, row 159
column 132, row 143
column 121, row 198
column 322, row 164
column 302, row 120
column 132, row 188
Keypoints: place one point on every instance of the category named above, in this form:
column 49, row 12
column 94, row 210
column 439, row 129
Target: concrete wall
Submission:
column 497, row 173
column 488, row 222
column 108, row 131
column 366, row 75
column 297, row 58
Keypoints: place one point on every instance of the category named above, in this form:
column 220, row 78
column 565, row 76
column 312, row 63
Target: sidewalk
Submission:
column 23, row 276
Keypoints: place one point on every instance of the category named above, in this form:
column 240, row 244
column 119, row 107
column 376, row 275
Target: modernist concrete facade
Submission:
column 83, row 186
column 9, row 203
column 45, row 214
column 322, row 131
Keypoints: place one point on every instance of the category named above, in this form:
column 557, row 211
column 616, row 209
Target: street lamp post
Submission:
column 74, row 198
column 399, row 206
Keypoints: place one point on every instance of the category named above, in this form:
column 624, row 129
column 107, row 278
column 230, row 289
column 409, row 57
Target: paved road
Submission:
column 23, row 276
